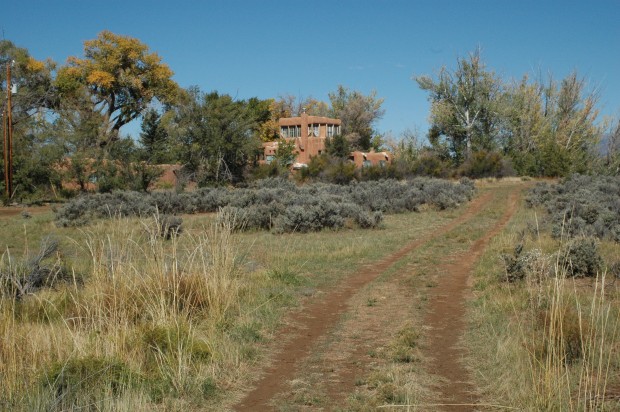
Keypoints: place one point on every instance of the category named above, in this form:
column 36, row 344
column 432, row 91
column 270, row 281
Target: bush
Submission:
column 45, row 269
column 486, row 164
column 581, row 258
column 170, row 226
column 74, row 379
column 519, row 265
column 278, row 203
column 581, row 206
column 432, row 165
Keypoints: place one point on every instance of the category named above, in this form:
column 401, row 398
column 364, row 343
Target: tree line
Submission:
column 536, row 127
column 68, row 121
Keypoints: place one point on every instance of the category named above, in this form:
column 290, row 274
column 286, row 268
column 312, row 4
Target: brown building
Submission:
column 366, row 159
column 309, row 134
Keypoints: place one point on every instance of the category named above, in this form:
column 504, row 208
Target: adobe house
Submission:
column 309, row 134
column 366, row 159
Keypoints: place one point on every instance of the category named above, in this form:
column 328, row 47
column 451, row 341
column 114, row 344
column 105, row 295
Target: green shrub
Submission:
column 167, row 339
column 82, row 381
column 581, row 258
column 486, row 164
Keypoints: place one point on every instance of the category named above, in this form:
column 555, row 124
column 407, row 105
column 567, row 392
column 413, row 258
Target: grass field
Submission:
column 137, row 322
column 145, row 323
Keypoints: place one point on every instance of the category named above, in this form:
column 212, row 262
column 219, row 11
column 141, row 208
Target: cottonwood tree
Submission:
column 358, row 114
column 525, row 125
column 574, row 121
column 290, row 106
column 119, row 78
column 550, row 129
column 612, row 155
column 464, row 107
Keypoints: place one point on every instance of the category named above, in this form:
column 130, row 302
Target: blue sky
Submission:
column 307, row 48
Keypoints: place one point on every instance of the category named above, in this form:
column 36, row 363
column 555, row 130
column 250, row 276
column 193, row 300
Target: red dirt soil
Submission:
column 446, row 320
column 323, row 314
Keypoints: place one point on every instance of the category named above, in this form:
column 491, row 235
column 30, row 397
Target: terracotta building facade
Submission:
column 309, row 133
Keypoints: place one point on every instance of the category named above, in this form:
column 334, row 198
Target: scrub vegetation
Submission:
column 279, row 204
column 124, row 316
column 547, row 302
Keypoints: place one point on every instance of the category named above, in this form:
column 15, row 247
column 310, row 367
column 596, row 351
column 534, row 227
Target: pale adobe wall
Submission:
column 313, row 147
column 375, row 158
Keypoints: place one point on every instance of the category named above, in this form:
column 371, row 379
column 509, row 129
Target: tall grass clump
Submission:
column 570, row 337
column 143, row 328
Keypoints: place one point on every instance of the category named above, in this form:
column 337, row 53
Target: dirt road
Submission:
column 331, row 341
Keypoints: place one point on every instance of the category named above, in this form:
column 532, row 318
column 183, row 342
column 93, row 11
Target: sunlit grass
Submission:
column 151, row 323
column 547, row 342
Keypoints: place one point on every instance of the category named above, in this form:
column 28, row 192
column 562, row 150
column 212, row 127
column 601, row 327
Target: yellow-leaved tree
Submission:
column 119, row 78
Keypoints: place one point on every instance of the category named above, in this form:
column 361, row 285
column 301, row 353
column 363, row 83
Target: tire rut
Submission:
column 305, row 327
column 445, row 321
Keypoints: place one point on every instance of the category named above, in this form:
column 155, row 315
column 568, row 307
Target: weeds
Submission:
column 20, row 277
column 139, row 327
column 555, row 321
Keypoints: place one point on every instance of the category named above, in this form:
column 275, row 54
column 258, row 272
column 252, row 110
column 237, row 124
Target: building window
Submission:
column 290, row 131
column 366, row 163
column 313, row 130
column 269, row 159
column 333, row 130
column 382, row 163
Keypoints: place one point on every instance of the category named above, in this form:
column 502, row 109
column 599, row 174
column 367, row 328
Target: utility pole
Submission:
column 8, row 138
column 5, row 153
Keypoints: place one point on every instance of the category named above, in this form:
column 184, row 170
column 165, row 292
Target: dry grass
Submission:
column 145, row 323
column 149, row 310
column 548, row 342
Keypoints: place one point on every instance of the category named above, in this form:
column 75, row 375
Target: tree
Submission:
column 120, row 77
column 35, row 149
column 550, row 129
column 525, row 126
column 358, row 114
column 285, row 153
column 407, row 148
column 156, row 147
column 338, row 146
column 290, row 106
column 32, row 77
column 464, row 107
column 612, row 152
column 216, row 136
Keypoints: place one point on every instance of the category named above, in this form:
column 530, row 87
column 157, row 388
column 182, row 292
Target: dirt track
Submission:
column 14, row 211
column 344, row 358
